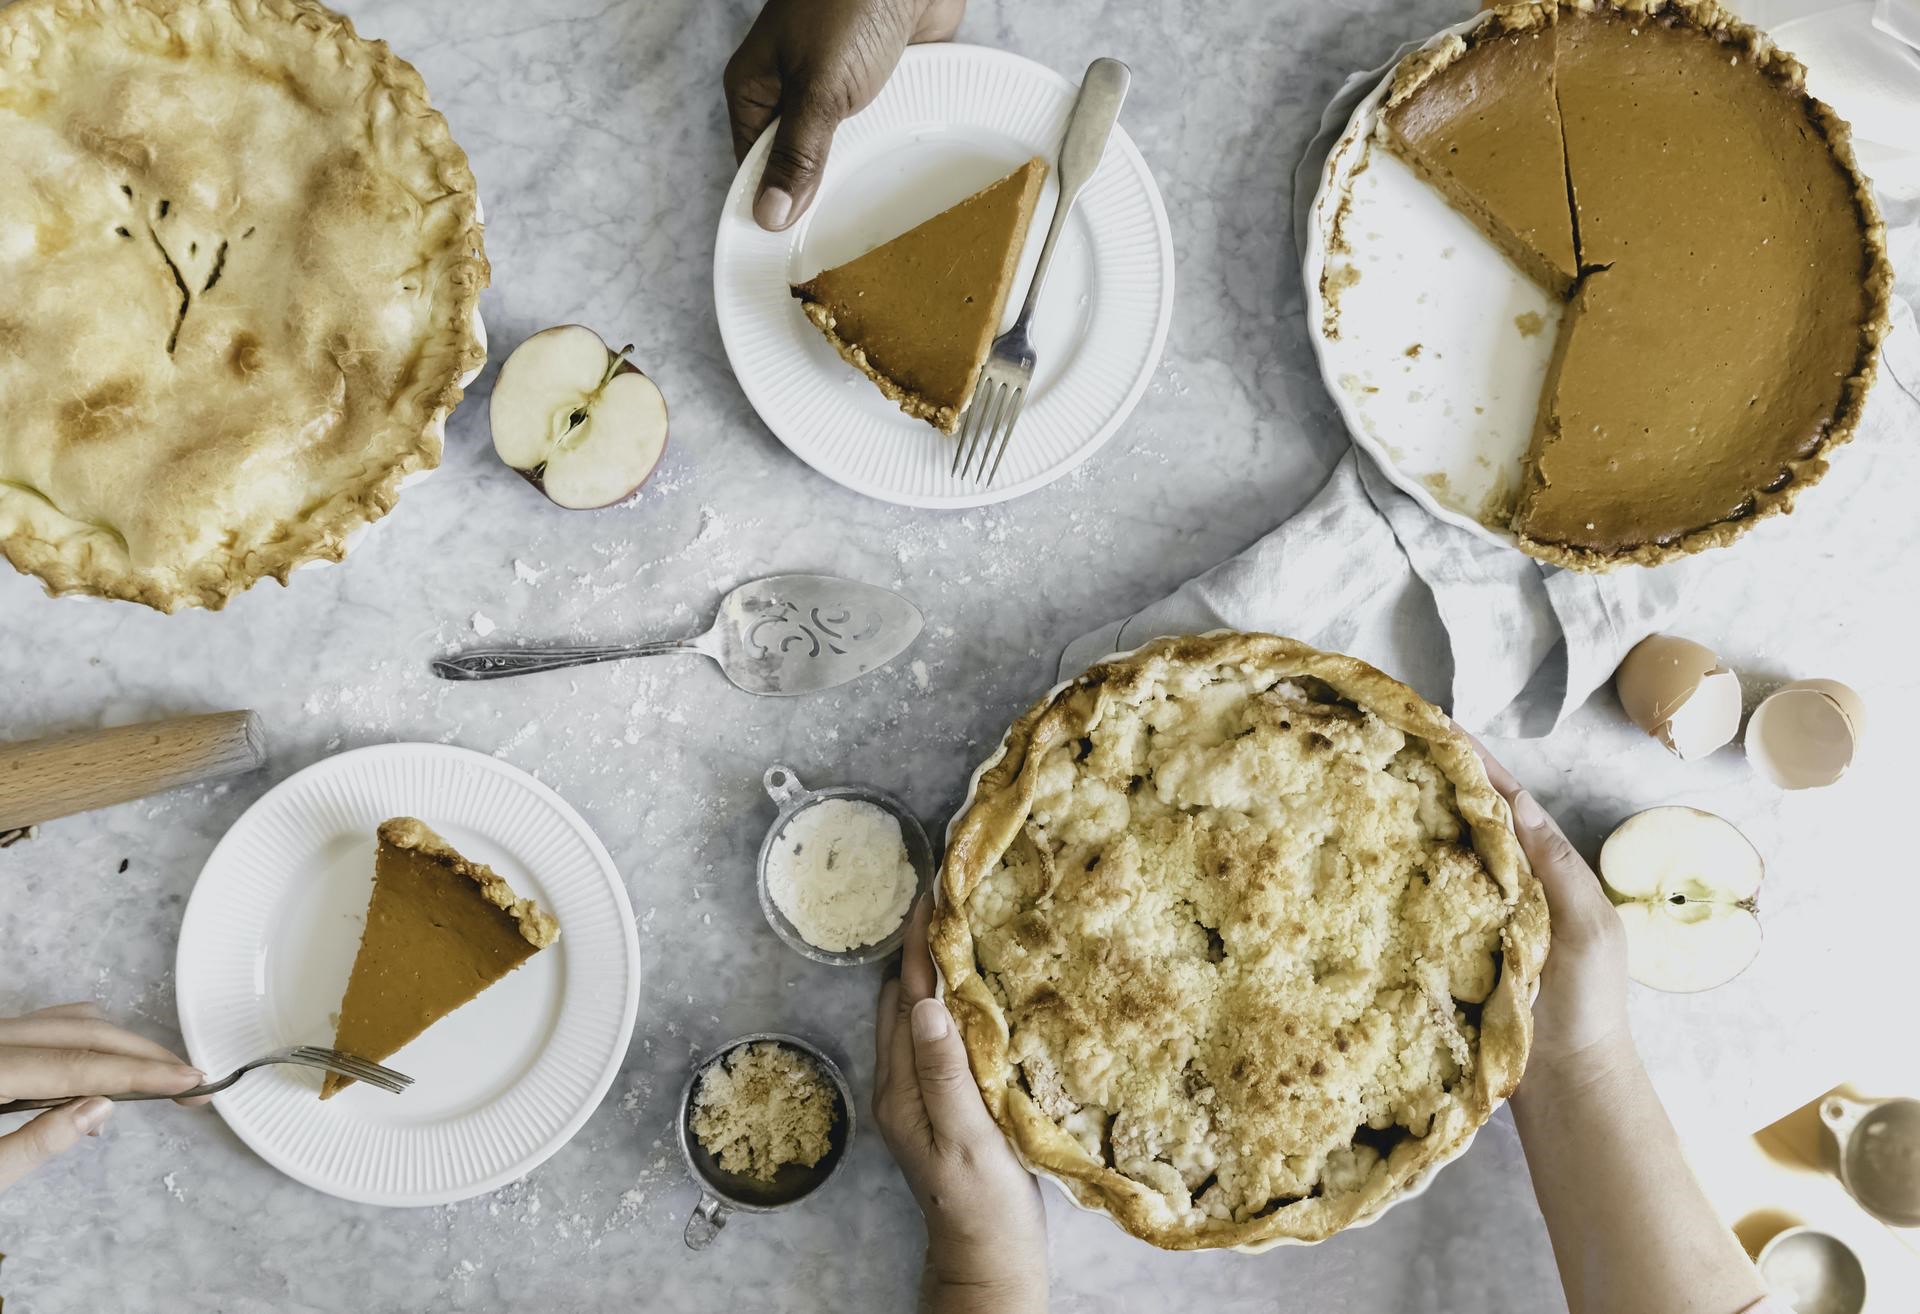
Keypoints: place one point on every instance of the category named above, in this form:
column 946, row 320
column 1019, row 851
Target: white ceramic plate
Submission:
column 1449, row 422
column 952, row 119
column 270, row 936
column 1414, row 1187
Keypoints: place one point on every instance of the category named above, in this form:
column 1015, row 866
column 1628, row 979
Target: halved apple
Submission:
column 579, row 421
column 1685, row 883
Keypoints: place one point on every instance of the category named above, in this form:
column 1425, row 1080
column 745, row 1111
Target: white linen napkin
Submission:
column 1509, row 646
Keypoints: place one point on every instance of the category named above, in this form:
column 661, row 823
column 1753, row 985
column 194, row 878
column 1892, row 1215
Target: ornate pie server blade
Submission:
column 779, row 636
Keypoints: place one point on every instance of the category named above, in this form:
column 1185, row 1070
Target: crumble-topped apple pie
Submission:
column 1240, row 940
column 240, row 255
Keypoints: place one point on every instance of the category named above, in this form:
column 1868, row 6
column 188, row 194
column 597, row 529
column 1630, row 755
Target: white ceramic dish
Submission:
column 951, row 120
column 1433, row 345
column 270, row 936
column 1417, row 1186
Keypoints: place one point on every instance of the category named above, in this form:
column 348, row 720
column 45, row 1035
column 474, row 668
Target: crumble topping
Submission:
column 1242, row 940
column 761, row 1107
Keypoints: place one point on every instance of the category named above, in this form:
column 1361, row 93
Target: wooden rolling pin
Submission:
column 46, row 778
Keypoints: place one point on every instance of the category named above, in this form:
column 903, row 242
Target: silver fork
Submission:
column 1004, row 379
column 304, row 1056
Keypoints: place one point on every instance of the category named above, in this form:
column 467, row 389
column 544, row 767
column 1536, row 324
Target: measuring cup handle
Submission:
column 709, row 1216
column 1841, row 1115
column 782, row 785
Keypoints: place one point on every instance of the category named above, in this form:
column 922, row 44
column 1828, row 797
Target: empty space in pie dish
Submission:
column 1439, row 345
column 874, row 190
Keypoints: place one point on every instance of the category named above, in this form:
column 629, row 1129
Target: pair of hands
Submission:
column 986, row 1230
column 812, row 63
column 72, row 1048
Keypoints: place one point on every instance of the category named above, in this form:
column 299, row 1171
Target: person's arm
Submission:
column 1632, row 1231
column 812, row 63
column 72, row 1050
column 986, row 1230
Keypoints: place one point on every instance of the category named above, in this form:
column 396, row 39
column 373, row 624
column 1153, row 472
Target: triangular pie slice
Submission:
column 1478, row 120
column 917, row 314
column 440, row 930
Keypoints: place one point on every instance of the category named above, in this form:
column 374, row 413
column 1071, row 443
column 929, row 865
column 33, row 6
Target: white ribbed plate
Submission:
column 501, row 1084
column 951, row 120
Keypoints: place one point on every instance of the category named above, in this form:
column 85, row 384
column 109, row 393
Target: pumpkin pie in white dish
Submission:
column 240, row 259
column 1240, row 940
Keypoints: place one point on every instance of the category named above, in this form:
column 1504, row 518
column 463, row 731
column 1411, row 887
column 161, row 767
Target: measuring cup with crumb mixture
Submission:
column 724, row 1193
column 840, row 870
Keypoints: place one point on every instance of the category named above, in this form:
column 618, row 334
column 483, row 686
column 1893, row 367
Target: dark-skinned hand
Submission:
column 811, row 64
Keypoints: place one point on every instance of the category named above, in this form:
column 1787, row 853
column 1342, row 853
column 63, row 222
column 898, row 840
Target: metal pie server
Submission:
column 784, row 635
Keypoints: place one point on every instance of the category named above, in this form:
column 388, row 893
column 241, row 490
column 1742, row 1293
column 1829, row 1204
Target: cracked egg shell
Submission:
column 1803, row 735
column 1677, row 691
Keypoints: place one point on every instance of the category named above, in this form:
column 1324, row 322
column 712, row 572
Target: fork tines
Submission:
column 352, row 1065
column 988, row 429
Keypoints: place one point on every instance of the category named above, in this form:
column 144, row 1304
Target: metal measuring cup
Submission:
column 722, row 1193
column 1816, row 1272
column 1879, row 1143
column 784, row 788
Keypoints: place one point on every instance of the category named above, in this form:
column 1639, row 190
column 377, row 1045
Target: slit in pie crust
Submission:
column 1240, row 940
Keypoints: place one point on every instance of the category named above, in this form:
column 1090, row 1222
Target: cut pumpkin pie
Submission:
column 917, row 314
column 1729, row 283
column 440, row 930
column 1482, row 127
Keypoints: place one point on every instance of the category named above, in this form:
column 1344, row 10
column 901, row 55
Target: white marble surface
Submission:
column 597, row 132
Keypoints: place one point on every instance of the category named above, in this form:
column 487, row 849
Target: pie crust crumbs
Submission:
column 763, row 1106
column 1240, row 940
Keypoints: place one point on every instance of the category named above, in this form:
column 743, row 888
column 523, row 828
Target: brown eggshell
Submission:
column 1804, row 734
column 1677, row 691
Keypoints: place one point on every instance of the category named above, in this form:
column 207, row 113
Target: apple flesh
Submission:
column 576, row 419
column 1685, row 884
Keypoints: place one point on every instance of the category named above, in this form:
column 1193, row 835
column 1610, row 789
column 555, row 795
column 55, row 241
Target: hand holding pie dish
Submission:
column 1240, row 940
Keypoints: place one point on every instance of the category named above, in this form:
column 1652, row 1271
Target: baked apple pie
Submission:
column 240, row 257
column 1240, row 940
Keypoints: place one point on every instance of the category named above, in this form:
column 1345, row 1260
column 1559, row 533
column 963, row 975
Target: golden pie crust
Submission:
column 1240, row 940
column 1733, row 282
column 240, row 260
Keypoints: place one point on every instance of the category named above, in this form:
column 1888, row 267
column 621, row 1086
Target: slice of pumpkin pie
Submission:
column 440, row 930
column 1480, row 122
column 917, row 314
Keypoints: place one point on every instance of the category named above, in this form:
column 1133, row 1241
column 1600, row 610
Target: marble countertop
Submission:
column 597, row 130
